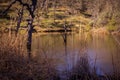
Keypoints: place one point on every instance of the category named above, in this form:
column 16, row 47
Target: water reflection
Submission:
column 64, row 51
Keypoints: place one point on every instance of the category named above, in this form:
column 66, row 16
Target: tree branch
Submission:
column 5, row 11
column 21, row 3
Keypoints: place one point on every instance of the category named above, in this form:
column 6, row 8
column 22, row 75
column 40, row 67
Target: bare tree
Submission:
column 30, row 7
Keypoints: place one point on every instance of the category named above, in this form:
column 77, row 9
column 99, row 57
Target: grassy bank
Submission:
column 59, row 19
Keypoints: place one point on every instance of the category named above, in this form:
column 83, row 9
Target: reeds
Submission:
column 84, row 71
column 15, row 64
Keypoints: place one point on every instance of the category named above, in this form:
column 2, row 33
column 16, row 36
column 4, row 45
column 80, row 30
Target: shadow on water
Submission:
column 78, row 56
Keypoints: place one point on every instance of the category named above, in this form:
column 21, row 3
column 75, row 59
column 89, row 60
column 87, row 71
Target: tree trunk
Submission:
column 29, row 37
column 20, row 13
column 30, row 26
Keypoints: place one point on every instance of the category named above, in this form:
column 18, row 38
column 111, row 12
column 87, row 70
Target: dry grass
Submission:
column 100, row 31
column 15, row 64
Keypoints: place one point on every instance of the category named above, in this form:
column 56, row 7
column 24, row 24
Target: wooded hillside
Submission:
column 100, row 12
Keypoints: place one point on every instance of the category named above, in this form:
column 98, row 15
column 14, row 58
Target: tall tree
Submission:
column 30, row 7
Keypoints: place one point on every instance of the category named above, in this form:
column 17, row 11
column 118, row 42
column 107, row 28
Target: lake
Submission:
column 64, row 51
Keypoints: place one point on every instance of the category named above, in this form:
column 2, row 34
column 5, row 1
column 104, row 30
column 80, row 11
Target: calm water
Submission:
column 65, row 50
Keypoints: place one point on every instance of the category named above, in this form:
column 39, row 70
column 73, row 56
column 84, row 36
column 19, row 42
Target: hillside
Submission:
column 82, row 14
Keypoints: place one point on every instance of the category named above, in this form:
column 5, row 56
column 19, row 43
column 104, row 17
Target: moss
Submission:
column 12, row 14
column 3, row 21
column 23, row 24
column 46, row 23
column 111, row 26
column 88, row 27
column 22, row 31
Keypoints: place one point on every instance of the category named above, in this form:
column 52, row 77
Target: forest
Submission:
column 59, row 39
